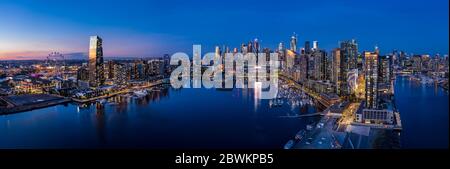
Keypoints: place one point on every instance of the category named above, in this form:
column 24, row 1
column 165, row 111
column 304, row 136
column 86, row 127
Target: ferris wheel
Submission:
column 56, row 60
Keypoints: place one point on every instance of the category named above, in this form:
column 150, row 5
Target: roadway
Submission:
column 348, row 116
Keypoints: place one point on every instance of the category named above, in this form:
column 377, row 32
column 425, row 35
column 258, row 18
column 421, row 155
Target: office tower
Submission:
column 315, row 45
column 294, row 43
column 281, row 55
column 307, row 47
column 384, row 70
column 335, row 68
column 320, row 64
column 371, row 74
column 96, row 69
column 304, row 59
column 256, row 47
column 280, row 46
column 348, row 57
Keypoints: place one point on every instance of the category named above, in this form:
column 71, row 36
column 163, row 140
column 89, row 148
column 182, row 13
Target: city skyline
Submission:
column 34, row 30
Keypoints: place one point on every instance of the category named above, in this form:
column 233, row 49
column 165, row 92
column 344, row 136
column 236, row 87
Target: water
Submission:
column 205, row 118
column 186, row 118
column 424, row 114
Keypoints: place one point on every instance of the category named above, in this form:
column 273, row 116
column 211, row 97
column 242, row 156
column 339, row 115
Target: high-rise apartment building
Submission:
column 96, row 69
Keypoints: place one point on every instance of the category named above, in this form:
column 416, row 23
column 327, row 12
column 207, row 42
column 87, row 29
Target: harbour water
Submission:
column 206, row 118
column 424, row 114
column 183, row 118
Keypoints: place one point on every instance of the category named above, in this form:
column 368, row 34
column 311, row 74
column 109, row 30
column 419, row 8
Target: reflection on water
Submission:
column 257, row 95
column 164, row 118
column 424, row 114
column 100, row 122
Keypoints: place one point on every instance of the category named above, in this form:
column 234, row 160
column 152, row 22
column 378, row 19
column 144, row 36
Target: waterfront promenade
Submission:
column 124, row 91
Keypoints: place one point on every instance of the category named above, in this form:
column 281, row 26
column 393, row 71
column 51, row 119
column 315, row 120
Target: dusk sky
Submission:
column 30, row 29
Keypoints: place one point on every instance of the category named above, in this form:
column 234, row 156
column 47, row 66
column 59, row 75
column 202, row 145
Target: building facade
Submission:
column 96, row 68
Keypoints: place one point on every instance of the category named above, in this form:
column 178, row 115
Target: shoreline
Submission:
column 19, row 109
column 62, row 100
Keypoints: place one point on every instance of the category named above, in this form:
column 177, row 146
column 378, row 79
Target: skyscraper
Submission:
column 320, row 64
column 384, row 70
column 96, row 69
column 335, row 68
column 256, row 47
column 348, row 56
column 304, row 60
column 280, row 46
column 315, row 45
column 294, row 43
column 371, row 74
column 307, row 47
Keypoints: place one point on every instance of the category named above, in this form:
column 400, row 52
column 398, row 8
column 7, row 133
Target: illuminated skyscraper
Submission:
column 315, row 45
column 348, row 57
column 280, row 46
column 371, row 74
column 281, row 55
column 319, row 64
column 385, row 71
column 304, row 59
column 256, row 47
column 294, row 43
column 335, row 68
column 96, row 69
column 217, row 51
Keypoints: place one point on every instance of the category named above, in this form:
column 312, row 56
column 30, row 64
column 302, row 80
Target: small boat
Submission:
column 309, row 127
column 140, row 93
column 289, row 144
column 277, row 102
column 300, row 135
